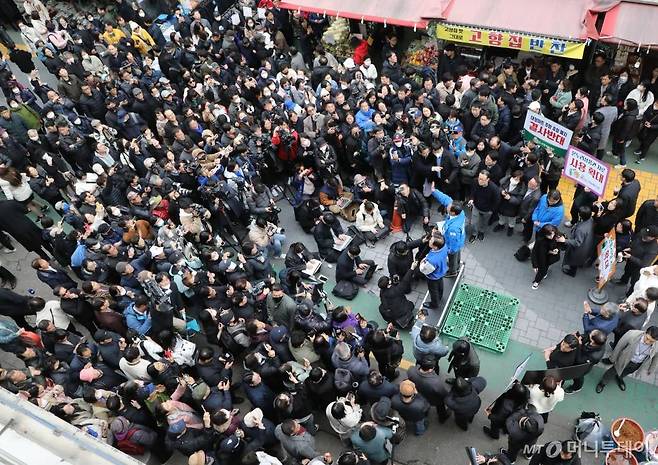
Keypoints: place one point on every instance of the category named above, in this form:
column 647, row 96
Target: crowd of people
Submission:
column 169, row 159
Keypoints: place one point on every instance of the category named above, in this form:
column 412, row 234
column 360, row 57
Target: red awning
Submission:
column 408, row 13
column 631, row 23
column 563, row 18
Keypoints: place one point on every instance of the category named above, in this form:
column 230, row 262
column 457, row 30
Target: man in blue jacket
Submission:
column 549, row 210
column 453, row 230
column 437, row 261
column 137, row 315
column 604, row 319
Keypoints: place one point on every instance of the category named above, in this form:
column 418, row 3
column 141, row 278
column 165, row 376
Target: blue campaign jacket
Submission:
column 454, row 229
column 438, row 258
column 546, row 214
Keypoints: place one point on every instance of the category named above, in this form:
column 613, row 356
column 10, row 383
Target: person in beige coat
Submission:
column 636, row 350
column 370, row 222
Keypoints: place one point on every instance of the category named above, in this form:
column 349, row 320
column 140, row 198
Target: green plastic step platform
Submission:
column 485, row 317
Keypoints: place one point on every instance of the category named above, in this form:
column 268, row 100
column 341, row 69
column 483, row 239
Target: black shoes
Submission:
column 489, row 433
column 510, row 232
column 498, row 227
column 621, row 383
column 599, row 388
column 480, row 236
column 472, row 238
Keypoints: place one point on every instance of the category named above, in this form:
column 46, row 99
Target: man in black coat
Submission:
column 431, row 385
column 15, row 306
column 410, row 205
column 592, row 348
column 400, row 256
column 413, row 407
column 647, row 214
column 351, row 267
column 641, row 253
column 395, row 307
column 375, row 387
column 324, row 232
column 15, row 222
column 524, row 428
column 629, row 191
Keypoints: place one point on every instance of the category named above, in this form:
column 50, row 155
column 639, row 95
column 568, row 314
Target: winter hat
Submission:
column 407, row 388
column 88, row 375
column 229, row 444
column 177, row 427
column 119, row 425
column 253, row 418
column 278, row 334
column 343, row 351
column 381, row 409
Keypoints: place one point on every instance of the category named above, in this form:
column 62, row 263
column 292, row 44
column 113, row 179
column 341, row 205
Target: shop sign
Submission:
column 514, row 40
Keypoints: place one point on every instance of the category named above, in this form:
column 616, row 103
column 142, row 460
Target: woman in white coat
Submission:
column 15, row 186
column 643, row 96
column 545, row 396
column 370, row 222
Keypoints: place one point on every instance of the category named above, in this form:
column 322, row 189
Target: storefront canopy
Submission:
column 408, row 13
column 563, row 18
column 631, row 23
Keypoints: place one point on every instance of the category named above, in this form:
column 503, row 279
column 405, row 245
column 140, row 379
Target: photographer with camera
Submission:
column 377, row 152
column 395, row 308
column 261, row 203
column 267, row 236
column 410, row 204
column 285, row 142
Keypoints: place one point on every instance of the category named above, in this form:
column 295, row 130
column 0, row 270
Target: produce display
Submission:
column 422, row 53
column 336, row 39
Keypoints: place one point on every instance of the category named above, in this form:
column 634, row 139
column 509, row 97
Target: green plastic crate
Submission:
column 485, row 317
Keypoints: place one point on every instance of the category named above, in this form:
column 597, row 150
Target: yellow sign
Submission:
column 514, row 40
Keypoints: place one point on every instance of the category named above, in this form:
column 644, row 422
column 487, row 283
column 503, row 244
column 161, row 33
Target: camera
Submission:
column 275, row 209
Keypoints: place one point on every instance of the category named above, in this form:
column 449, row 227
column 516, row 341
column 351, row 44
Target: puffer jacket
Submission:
column 312, row 323
column 369, row 221
column 547, row 214
column 356, row 365
column 467, row 405
column 259, row 203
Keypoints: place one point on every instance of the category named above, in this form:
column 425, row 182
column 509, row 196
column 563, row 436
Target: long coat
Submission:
column 623, row 352
column 581, row 244
column 13, row 221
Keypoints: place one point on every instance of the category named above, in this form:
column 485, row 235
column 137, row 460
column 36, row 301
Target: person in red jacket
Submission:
column 360, row 49
column 286, row 142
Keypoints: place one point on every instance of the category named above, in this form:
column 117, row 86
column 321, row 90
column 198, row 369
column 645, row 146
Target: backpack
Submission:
column 345, row 290
column 343, row 380
column 129, row 447
column 523, row 253
column 591, row 431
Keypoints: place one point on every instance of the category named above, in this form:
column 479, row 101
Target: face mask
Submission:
column 14, row 105
column 623, row 79
column 277, row 299
column 398, row 144
column 263, row 75
column 367, row 63
column 77, row 121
